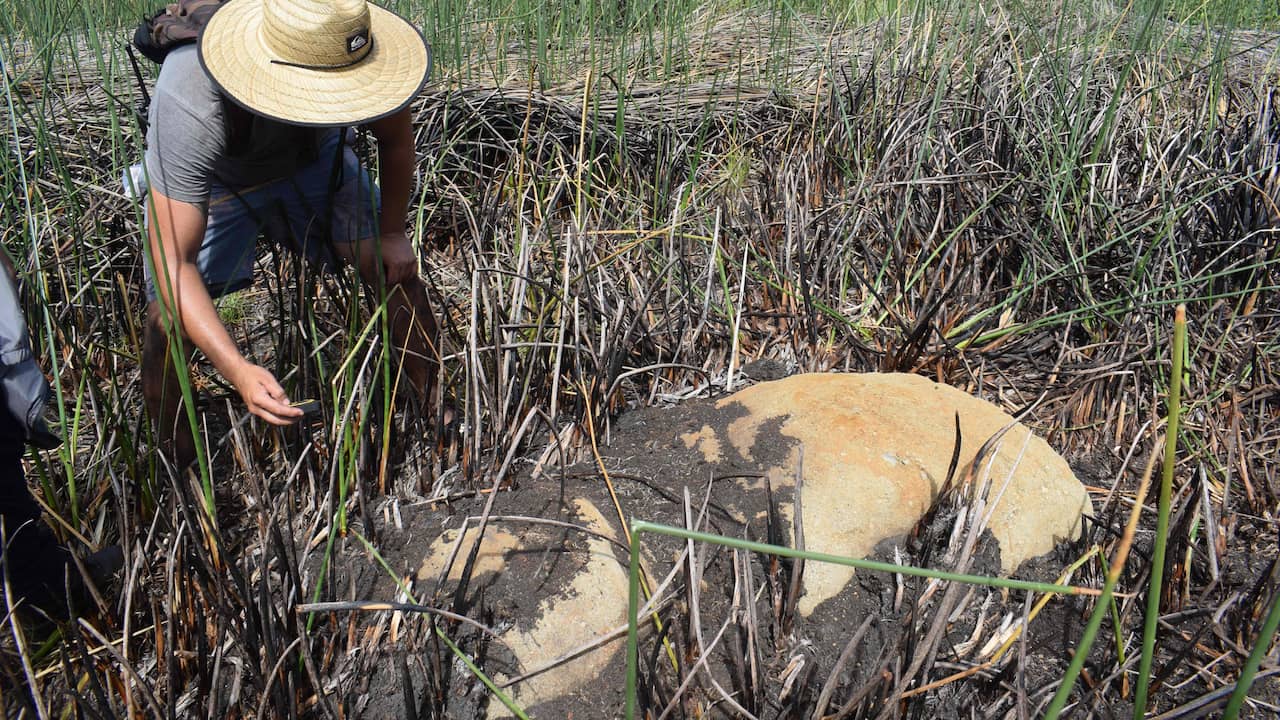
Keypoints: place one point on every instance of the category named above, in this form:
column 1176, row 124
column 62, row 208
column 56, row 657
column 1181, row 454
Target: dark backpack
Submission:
column 175, row 25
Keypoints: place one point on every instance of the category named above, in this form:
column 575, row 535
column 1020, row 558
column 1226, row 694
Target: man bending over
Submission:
column 247, row 136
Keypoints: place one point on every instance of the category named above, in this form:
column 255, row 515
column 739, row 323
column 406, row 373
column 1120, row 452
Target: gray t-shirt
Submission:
column 189, row 145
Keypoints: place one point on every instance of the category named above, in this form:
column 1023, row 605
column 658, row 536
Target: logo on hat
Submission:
column 255, row 49
column 357, row 41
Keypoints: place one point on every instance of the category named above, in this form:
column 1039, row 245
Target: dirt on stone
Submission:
column 761, row 652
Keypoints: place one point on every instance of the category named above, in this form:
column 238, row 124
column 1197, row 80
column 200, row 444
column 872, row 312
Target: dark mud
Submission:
column 769, row 659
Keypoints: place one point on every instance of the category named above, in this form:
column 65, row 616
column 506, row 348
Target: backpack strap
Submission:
column 143, row 108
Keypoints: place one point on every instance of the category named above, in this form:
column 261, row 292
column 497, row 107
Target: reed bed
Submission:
column 1007, row 199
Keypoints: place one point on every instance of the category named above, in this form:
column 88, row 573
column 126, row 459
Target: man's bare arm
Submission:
column 176, row 233
column 396, row 158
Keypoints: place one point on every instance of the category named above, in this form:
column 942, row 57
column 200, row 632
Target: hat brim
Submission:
column 383, row 83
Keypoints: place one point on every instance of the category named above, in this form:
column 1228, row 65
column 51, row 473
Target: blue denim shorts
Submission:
column 307, row 213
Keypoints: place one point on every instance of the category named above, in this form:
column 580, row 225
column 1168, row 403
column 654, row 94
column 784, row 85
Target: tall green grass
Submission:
column 973, row 191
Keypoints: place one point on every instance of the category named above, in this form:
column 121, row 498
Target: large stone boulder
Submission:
column 876, row 449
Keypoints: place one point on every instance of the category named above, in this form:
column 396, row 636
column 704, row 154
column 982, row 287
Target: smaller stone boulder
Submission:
column 561, row 590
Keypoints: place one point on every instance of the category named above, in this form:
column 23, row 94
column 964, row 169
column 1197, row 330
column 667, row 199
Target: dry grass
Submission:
column 968, row 198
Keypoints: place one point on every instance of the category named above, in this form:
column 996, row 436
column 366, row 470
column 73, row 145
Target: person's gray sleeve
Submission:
column 13, row 327
column 185, row 136
column 23, row 389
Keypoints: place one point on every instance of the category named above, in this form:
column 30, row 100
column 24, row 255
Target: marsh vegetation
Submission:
column 621, row 204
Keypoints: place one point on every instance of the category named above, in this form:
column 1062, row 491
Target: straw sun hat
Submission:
column 315, row 62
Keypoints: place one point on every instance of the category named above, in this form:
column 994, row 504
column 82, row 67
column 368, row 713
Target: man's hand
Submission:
column 398, row 259
column 264, row 396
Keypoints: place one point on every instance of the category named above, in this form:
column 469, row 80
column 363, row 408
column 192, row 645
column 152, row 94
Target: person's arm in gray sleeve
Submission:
column 24, row 389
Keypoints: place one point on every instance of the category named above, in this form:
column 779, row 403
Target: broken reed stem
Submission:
column 476, row 671
column 381, row 606
column 1162, row 518
column 863, row 564
column 1042, row 602
column 1101, row 608
column 954, row 677
column 622, row 520
column 633, row 597
column 1255, row 659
